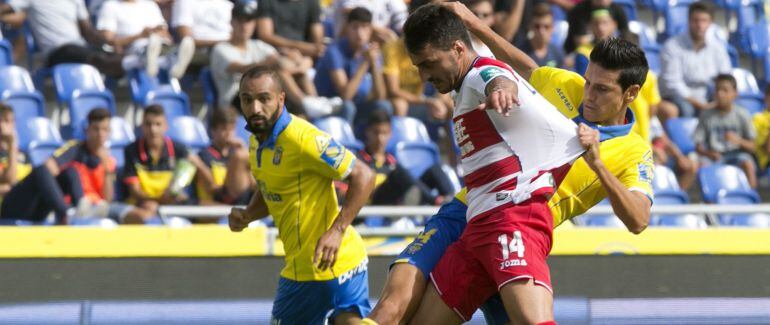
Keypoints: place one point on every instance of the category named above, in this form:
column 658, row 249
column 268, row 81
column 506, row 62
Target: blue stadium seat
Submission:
column 629, row 6
column 417, row 157
column 209, row 88
column 752, row 105
column 6, row 52
column 688, row 221
column 755, row 220
column 146, row 90
column 681, row 131
column 653, row 58
column 747, row 84
column 674, row 13
column 605, row 221
column 758, row 40
column 18, row 91
column 725, row 184
column 558, row 13
column 341, row 131
column 745, row 14
column 648, row 38
column 240, row 124
column 666, row 187
column 175, row 104
column 80, row 88
column 408, row 129
column 39, row 138
column 15, row 78
column 189, row 131
column 560, row 29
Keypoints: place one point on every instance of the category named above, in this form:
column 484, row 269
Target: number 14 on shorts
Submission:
column 513, row 246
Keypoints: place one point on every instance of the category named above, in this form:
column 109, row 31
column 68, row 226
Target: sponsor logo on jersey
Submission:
column 491, row 73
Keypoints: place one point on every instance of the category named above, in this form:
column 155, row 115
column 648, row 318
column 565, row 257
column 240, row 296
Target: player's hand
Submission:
column 589, row 139
column 238, row 219
column 465, row 14
column 327, row 247
column 502, row 100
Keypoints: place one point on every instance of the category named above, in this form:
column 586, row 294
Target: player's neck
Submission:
column 466, row 63
column 618, row 119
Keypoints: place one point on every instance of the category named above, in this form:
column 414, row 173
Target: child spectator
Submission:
column 13, row 163
column 538, row 46
column 726, row 134
column 351, row 69
column 227, row 160
column 150, row 164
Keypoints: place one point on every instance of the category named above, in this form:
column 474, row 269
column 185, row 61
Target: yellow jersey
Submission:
column 625, row 154
column 762, row 127
column 295, row 168
column 397, row 63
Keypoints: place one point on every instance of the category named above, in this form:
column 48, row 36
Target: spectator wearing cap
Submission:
column 230, row 59
column 351, row 69
column 690, row 61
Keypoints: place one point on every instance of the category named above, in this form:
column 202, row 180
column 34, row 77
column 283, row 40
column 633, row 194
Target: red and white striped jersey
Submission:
column 508, row 159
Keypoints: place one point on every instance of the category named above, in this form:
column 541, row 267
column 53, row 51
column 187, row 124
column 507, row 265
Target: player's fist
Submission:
column 238, row 219
column 589, row 139
column 327, row 247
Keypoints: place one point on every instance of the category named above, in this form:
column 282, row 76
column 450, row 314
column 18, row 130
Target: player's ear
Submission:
column 459, row 47
column 631, row 93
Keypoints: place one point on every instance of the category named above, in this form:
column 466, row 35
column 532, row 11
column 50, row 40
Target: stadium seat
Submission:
column 674, row 13
column 744, row 15
column 6, row 52
column 725, row 184
column 647, row 35
column 747, row 84
column 681, row 131
column 688, row 221
column 755, row 220
column 209, row 88
column 18, row 91
column 79, row 89
column 558, row 13
column 39, row 138
column 417, row 157
column 629, row 6
column 240, row 130
column 189, row 131
column 752, row 105
column 408, row 129
column 175, row 104
column 666, row 187
column 560, row 29
column 758, row 41
column 341, row 131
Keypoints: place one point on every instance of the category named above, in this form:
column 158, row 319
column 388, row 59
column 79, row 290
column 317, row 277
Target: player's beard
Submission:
column 266, row 123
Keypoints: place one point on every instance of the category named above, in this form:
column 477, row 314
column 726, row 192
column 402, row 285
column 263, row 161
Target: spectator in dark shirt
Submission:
column 579, row 19
column 291, row 25
column 539, row 46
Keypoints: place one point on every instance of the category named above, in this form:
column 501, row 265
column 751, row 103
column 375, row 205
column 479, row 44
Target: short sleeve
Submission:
column 335, row 59
column 325, row 155
column 108, row 17
column 66, row 153
column 82, row 10
column 390, row 57
column 182, row 13
column 637, row 177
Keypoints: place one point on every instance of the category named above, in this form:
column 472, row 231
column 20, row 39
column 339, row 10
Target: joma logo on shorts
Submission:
column 516, row 262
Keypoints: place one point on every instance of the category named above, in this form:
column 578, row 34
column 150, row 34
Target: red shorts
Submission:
column 509, row 244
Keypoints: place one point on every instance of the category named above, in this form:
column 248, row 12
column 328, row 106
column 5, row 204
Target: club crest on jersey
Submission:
column 490, row 73
column 277, row 155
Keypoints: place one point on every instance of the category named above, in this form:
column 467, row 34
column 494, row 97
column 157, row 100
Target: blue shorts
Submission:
column 313, row 302
column 441, row 230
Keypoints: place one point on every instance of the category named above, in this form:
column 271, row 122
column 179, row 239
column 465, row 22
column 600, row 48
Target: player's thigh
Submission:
column 433, row 310
column 401, row 295
column 307, row 302
column 527, row 302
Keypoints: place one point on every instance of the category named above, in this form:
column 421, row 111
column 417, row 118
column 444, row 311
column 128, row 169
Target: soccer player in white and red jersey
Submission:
column 512, row 158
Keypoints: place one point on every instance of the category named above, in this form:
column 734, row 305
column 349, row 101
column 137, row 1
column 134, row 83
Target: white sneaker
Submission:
column 154, row 47
column 316, row 107
column 184, row 55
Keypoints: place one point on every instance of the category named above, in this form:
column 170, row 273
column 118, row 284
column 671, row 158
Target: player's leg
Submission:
column 527, row 302
column 494, row 311
column 408, row 274
column 433, row 310
column 351, row 296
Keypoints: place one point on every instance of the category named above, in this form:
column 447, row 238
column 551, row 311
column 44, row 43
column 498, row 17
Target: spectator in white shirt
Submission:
column 206, row 21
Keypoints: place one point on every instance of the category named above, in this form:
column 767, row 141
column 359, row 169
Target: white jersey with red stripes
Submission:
column 508, row 159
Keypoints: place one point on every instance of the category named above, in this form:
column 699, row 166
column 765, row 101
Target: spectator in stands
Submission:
column 206, row 21
column 230, row 59
column 510, row 15
column 665, row 151
column 150, row 165
column 484, row 9
column 293, row 27
column 13, row 163
column 64, row 34
column 84, row 171
column 690, row 61
column 351, row 69
column 762, row 127
column 393, row 182
column 136, row 28
column 538, row 45
column 579, row 19
column 387, row 20
column 726, row 134
column 602, row 26
column 227, row 160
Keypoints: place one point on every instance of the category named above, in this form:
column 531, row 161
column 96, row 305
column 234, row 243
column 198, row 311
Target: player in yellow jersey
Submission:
column 620, row 169
column 294, row 163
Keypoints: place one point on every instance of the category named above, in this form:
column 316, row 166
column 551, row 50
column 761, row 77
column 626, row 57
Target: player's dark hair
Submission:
column 361, row 15
column 700, row 6
column 259, row 71
column 5, row 109
column 726, row 77
column 154, row 110
column 618, row 54
column 541, row 10
column 97, row 115
column 416, row 4
column 378, row 117
column 436, row 26
column 222, row 117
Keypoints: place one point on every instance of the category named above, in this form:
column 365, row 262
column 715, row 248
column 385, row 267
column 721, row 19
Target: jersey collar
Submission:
column 283, row 121
column 608, row 132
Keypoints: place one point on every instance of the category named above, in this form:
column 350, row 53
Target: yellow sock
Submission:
column 368, row 321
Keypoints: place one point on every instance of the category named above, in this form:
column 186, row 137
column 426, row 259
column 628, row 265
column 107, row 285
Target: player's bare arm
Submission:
column 502, row 95
column 501, row 48
column 361, row 186
column 632, row 207
column 240, row 218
